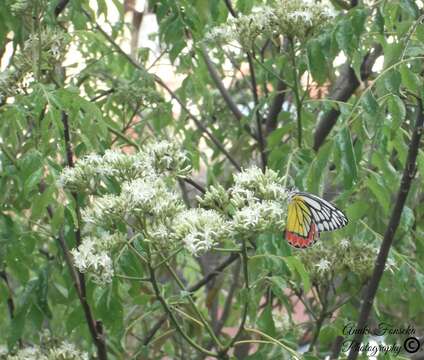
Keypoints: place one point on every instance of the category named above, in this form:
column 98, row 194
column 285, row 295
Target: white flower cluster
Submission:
column 155, row 160
column 63, row 351
column 200, row 229
column 259, row 216
column 19, row 6
column 258, row 201
column 145, row 200
column 93, row 256
column 144, row 197
column 295, row 18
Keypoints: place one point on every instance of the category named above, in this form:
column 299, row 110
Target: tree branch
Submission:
column 224, row 92
column 408, row 174
column 344, row 87
column 61, row 5
column 219, row 84
column 275, row 108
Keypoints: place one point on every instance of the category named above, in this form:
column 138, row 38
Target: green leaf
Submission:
column 75, row 318
column 41, row 201
column 276, row 137
column 359, row 17
column 33, row 181
column 16, row 328
column 42, row 291
column 348, row 159
column 397, row 111
column 392, row 81
column 369, row 102
column 18, row 322
column 318, row 168
column 410, row 7
column 345, row 36
column 316, row 61
column 392, row 53
column 58, row 218
column 357, row 210
column 296, row 266
column 109, row 307
column 409, row 79
column 376, row 185
column 266, row 322
column 327, row 335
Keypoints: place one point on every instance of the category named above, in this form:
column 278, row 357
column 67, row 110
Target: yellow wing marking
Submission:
column 299, row 217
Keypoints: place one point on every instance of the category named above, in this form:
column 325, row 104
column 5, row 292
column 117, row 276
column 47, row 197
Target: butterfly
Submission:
column 308, row 215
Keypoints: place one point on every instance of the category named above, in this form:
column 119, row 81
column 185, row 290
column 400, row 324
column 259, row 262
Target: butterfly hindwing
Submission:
column 308, row 215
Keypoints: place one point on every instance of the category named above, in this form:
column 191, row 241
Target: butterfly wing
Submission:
column 325, row 215
column 301, row 230
column 308, row 215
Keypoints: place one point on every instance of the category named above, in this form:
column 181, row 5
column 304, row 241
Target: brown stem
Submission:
column 271, row 120
column 10, row 302
column 96, row 328
column 408, row 175
column 220, row 85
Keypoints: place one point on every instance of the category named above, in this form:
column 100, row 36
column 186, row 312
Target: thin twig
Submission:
column 172, row 316
column 198, row 285
column 220, row 85
column 240, row 329
column 229, row 300
column 296, row 91
column 190, row 298
column 194, row 184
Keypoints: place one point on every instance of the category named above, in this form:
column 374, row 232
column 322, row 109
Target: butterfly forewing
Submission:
column 308, row 215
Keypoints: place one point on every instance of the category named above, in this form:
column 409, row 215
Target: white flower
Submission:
column 93, row 256
column 285, row 17
column 151, row 197
column 156, row 159
column 344, row 244
column 303, row 15
column 323, row 265
column 3, row 350
column 259, row 216
column 390, row 264
column 200, row 229
column 252, row 184
column 67, row 351
column 103, row 210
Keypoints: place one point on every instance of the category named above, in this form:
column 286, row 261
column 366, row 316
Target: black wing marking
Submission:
column 325, row 215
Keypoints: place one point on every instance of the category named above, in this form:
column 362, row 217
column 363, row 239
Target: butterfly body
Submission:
column 308, row 215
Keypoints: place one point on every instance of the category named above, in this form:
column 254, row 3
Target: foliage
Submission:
column 143, row 217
